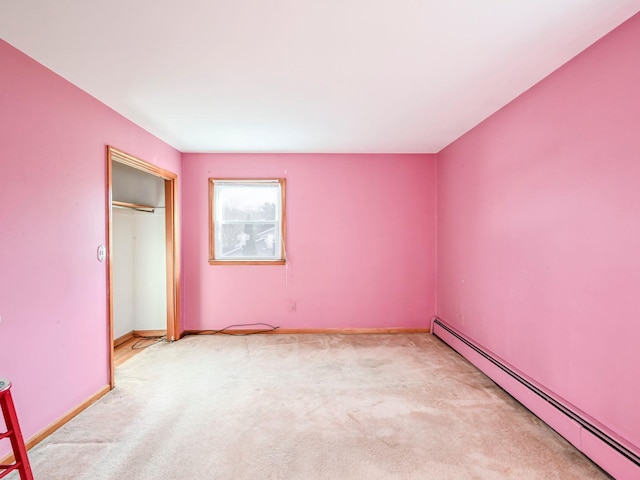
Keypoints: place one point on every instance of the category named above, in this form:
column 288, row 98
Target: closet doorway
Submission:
column 142, row 258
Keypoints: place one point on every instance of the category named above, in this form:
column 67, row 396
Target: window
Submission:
column 247, row 220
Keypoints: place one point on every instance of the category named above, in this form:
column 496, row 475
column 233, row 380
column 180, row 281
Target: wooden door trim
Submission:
column 172, row 245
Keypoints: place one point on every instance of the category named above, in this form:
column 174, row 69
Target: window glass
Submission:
column 247, row 223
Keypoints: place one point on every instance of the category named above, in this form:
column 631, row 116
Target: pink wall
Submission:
column 52, row 219
column 539, row 233
column 360, row 243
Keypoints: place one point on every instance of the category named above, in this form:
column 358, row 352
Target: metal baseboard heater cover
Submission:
column 582, row 422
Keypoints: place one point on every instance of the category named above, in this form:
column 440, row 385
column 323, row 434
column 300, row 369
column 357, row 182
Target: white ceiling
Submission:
column 307, row 75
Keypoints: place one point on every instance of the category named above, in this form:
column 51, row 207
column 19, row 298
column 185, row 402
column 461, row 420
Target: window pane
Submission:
column 247, row 240
column 246, row 221
column 247, row 202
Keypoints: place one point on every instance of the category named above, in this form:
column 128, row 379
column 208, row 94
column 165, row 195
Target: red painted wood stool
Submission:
column 21, row 463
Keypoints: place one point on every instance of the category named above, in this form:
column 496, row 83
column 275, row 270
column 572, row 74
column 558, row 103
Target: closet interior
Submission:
column 139, row 253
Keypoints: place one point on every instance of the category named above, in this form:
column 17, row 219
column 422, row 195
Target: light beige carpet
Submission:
column 306, row 407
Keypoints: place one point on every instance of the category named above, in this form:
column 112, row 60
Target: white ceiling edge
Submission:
column 298, row 76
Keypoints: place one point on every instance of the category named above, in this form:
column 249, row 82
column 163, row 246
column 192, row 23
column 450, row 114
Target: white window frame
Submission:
column 215, row 224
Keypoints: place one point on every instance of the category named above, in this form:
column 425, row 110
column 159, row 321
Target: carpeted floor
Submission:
column 306, row 407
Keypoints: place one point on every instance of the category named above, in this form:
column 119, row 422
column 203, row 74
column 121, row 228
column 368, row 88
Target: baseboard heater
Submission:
column 606, row 451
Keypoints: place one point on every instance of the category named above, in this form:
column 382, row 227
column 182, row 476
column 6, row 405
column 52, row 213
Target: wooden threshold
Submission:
column 134, row 345
column 138, row 333
column 40, row 436
column 316, row 331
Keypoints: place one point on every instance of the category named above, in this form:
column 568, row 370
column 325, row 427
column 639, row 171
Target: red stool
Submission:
column 21, row 463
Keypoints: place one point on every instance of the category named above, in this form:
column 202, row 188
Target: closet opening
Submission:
column 142, row 255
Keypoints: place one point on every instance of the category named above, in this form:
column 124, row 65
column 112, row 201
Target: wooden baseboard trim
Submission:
column 41, row 435
column 316, row 331
column 138, row 333
column 123, row 339
column 149, row 333
column 38, row 437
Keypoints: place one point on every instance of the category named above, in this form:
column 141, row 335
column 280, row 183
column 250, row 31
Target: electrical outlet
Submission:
column 292, row 307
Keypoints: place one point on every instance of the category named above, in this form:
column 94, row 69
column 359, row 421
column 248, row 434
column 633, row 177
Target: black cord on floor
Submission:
column 270, row 328
column 136, row 346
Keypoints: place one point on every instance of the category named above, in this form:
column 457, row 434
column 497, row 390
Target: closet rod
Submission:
column 134, row 206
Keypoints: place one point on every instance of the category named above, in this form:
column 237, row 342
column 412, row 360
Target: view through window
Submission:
column 247, row 221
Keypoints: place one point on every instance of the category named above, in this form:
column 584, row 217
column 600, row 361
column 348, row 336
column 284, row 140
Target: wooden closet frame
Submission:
column 173, row 257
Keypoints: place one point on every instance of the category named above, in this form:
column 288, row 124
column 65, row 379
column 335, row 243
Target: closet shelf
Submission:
column 134, row 206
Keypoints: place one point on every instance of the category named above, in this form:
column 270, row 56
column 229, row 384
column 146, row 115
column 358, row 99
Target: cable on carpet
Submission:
column 158, row 339
column 223, row 331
